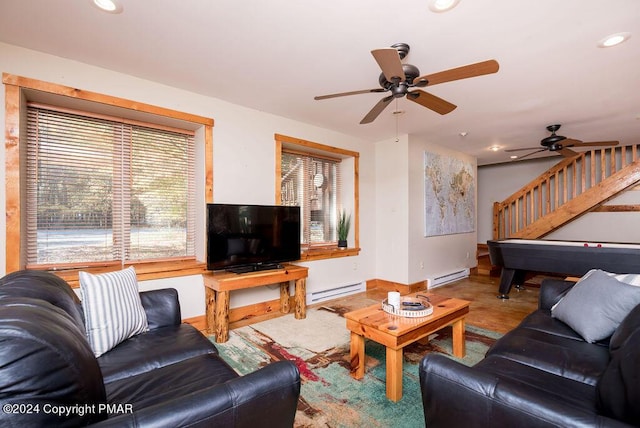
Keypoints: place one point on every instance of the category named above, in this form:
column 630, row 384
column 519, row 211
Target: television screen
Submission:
column 251, row 237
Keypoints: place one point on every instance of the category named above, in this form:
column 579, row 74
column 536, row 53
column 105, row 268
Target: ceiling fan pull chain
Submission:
column 397, row 120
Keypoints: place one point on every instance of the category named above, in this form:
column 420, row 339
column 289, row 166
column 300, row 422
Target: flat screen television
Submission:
column 245, row 238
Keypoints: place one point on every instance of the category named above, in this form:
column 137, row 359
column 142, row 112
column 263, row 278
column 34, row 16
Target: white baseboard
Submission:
column 446, row 278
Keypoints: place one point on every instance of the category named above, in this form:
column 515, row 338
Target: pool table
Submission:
column 516, row 257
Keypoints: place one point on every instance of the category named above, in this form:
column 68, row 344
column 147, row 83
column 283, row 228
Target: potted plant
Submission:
column 344, row 223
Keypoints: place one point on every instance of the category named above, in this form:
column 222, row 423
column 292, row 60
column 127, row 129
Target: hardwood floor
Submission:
column 486, row 310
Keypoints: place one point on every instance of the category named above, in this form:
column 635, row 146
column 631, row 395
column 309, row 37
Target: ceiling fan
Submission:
column 558, row 143
column 404, row 79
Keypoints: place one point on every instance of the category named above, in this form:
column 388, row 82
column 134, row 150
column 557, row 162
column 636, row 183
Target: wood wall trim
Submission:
column 319, row 254
column 54, row 88
column 356, row 201
column 397, row 286
column 144, row 270
column 327, row 253
column 616, row 208
column 315, row 146
column 12, row 176
column 14, row 86
column 208, row 163
column 278, row 180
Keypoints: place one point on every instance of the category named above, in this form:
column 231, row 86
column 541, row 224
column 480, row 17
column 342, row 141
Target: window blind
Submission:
column 105, row 190
column 312, row 183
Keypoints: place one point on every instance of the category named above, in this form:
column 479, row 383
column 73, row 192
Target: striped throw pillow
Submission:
column 112, row 308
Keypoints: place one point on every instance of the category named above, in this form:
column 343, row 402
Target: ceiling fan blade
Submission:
column 532, row 153
column 464, row 72
column 567, row 153
column 376, row 110
column 593, row 144
column 344, row 94
column 431, row 102
column 570, row 142
column 389, row 61
column 519, row 150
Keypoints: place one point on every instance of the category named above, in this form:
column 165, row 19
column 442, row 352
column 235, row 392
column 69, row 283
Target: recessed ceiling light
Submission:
column 614, row 39
column 513, row 157
column 111, row 6
column 442, row 5
column 494, row 148
column 463, row 134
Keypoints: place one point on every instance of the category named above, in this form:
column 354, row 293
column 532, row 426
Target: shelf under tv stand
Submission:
column 218, row 285
column 258, row 267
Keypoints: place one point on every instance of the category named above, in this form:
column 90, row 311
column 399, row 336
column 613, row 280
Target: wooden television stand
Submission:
column 217, row 286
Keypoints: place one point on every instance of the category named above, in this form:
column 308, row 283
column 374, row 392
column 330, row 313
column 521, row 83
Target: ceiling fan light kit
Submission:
column 440, row 6
column 553, row 138
column 403, row 80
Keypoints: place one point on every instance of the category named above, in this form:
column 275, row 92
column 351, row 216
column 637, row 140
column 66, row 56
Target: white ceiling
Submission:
column 276, row 55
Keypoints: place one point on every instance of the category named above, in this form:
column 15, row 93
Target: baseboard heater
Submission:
column 333, row 293
column 447, row 278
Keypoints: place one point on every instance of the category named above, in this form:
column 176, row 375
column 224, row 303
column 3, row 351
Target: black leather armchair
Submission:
column 169, row 376
column 541, row 374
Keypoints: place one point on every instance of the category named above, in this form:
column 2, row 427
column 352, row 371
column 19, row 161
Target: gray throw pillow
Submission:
column 596, row 305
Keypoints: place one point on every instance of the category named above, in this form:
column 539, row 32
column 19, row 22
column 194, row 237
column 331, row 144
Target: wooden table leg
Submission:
column 357, row 356
column 300, row 298
column 459, row 338
column 210, row 305
column 284, row 297
column 394, row 374
column 222, row 316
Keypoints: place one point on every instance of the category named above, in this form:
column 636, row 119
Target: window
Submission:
column 323, row 181
column 100, row 190
column 313, row 184
column 139, row 141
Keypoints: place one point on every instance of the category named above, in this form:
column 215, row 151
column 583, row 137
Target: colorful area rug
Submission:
column 330, row 397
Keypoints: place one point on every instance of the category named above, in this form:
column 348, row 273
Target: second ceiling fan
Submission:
column 561, row 144
column 404, row 79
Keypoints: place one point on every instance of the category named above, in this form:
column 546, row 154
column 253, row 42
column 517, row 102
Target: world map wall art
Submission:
column 449, row 195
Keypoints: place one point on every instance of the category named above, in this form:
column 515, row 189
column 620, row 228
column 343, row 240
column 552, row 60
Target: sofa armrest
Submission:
column 551, row 291
column 265, row 398
column 162, row 307
column 456, row 395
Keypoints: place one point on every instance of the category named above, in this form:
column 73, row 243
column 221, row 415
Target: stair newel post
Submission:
column 496, row 220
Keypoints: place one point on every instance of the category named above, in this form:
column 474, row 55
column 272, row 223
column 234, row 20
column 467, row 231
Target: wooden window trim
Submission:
column 14, row 125
column 318, row 149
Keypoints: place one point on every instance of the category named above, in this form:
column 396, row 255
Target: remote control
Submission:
column 411, row 304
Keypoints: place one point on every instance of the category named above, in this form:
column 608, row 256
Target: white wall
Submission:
column 404, row 254
column 392, row 209
column 605, row 227
column 497, row 182
column 438, row 254
column 244, row 163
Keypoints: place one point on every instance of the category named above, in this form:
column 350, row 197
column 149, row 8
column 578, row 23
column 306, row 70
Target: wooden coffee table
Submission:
column 396, row 332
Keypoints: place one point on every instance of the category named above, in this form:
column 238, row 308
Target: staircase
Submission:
column 567, row 190
column 484, row 266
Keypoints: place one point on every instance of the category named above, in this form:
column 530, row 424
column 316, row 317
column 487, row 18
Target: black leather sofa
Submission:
column 541, row 374
column 169, row 376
